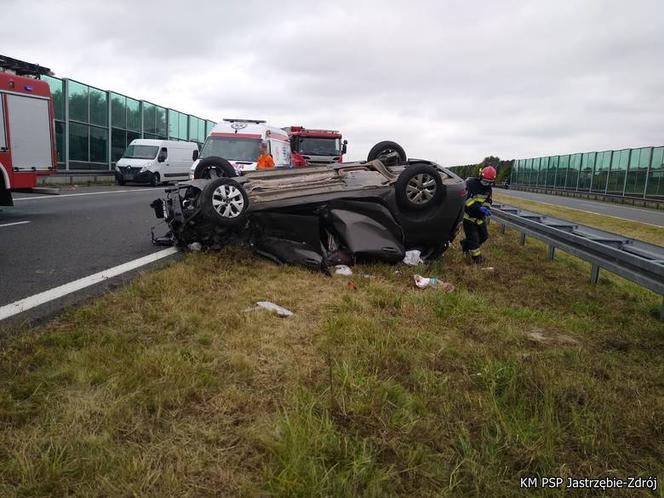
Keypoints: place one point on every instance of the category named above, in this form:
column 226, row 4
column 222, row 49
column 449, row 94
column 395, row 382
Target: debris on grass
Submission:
column 351, row 285
column 552, row 338
column 195, row 247
column 488, row 268
column 280, row 311
column 413, row 258
column 424, row 282
column 343, row 270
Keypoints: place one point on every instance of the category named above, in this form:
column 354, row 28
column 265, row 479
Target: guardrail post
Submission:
column 523, row 239
column 661, row 310
column 551, row 252
column 594, row 274
column 503, row 228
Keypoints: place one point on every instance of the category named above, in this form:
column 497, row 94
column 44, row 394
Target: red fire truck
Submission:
column 315, row 147
column 27, row 127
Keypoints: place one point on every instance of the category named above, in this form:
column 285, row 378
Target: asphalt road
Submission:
column 50, row 240
column 643, row 215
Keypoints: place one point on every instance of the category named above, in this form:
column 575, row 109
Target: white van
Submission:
column 238, row 141
column 155, row 161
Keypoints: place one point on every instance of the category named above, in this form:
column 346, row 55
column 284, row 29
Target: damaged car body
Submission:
column 321, row 216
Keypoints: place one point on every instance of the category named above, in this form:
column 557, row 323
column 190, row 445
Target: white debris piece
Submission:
column 424, row 282
column 195, row 246
column 274, row 308
column 343, row 270
column 413, row 258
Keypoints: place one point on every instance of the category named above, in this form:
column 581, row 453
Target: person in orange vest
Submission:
column 265, row 160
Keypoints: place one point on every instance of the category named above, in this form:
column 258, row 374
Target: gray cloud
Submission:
column 451, row 80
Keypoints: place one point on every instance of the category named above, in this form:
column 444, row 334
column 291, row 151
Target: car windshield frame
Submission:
column 232, row 148
column 319, row 146
column 140, row 151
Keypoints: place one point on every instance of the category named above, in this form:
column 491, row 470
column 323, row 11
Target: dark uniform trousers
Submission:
column 474, row 221
column 476, row 235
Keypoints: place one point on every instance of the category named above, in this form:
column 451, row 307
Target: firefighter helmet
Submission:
column 488, row 174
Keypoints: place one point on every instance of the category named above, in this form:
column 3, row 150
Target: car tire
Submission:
column 224, row 201
column 214, row 167
column 419, row 187
column 384, row 148
column 155, row 180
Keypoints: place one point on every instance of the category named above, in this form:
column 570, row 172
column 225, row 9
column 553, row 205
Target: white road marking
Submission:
column 58, row 292
column 45, row 196
column 15, row 223
column 586, row 211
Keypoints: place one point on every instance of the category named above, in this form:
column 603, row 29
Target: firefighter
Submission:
column 265, row 160
column 476, row 212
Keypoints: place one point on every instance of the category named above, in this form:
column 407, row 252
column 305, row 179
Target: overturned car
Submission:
column 320, row 216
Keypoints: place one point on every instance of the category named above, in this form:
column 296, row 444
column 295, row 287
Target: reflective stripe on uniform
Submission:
column 466, row 216
column 475, row 198
column 475, row 252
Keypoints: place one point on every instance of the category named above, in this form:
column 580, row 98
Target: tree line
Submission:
column 503, row 168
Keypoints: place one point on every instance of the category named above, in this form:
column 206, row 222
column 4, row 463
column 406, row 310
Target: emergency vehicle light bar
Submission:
column 312, row 130
column 302, row 129
column 233, row 120
column 22, row 68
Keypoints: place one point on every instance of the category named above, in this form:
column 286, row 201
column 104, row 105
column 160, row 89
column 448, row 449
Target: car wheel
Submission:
column 419, row 187
column 387, row 149
column 155, row 179
column 224, row 201
column 214, row 167
column 119, row 180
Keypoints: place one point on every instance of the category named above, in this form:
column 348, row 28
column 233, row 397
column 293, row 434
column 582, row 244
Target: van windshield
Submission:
column 141, row 152
column 320, row 146
column 232, row 148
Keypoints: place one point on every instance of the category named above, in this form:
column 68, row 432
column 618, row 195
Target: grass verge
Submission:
column 168, row 387
column 628, row 228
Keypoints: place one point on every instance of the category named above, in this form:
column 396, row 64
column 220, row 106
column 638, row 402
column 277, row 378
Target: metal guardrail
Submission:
column 638, row 261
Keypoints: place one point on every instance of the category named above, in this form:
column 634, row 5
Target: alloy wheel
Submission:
column 228, row 201
column 421, row 188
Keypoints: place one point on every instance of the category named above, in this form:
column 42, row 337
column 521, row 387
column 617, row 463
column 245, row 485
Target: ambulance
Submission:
column 238, row 142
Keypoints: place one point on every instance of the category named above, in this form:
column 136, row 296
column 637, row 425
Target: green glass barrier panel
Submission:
column 78, row 101
column 78, row 142
column 133, row 115
column 98, row 145
column 57, row 92
column 118, row 111
column 98, row 107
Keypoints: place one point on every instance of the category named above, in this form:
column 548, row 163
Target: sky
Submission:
column 451, row 81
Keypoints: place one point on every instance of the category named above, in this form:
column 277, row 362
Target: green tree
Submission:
column 503, row 168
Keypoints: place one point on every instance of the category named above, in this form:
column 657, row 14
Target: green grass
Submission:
column 169, row 387
column 628, row 228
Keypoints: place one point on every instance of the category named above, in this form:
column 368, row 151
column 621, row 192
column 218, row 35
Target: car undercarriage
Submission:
column 320, row 216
